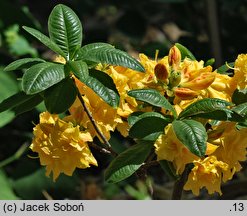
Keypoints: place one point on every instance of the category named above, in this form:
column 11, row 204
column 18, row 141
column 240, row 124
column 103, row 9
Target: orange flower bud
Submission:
column 174, row 57
column 185, row 93
column 161, row 71
column 201, row 82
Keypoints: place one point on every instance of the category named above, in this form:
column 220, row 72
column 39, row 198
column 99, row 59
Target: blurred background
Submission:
column 209, row 28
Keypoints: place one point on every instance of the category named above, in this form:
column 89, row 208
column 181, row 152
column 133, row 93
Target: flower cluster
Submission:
column 62, row 147
column 62, row 144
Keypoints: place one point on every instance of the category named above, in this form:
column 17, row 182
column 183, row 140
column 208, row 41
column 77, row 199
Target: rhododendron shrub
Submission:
column 181, row 114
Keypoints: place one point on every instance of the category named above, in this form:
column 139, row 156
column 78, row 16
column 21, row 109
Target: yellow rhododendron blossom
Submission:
column 240, row 71
column 206, row 173
column 168, row 147
column 232, row 148
column 61, row 146
column 104, row 115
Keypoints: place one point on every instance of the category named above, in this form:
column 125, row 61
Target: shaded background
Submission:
column 209, row 28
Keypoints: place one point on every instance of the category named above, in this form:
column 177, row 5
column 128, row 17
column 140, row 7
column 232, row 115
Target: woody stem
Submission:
column 101, row 135
column 179, row 185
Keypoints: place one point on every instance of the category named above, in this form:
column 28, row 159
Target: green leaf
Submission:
column 28, row 105
column 42, row 76
column 45, row 40
column 210, row 62
column 152, row 97
column 65, row 29
column 205, row 106
column 222, row 115
column 6, row 192
column 104, row 78
column 224, row 68
column 148, row 128
column 126, row 163
column 79, row 69
column 14, row 101
column 9, row 86
column 23, row 63
column 107, row 94
column 192, row 134
column 61, row 96
column 134, row 117
column 104, row 53
column 20, row 102
column 239, row 96
column 185, row 52
column 241, row 109
column 83, row 51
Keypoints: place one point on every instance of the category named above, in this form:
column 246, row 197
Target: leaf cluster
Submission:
column 53, row 82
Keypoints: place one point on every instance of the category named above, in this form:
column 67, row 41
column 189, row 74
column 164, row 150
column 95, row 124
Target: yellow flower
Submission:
column 104, row 115
column 206, row 173
column 240, row 71
column 232, row 148
column 188, row 78
column 168, row 147
column 61, row 146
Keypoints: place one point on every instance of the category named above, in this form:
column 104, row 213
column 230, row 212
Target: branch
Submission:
column 100, row 149
column 179, row 185
column 101, row 135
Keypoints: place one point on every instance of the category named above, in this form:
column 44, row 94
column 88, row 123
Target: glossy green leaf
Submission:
column 79, row 69
column 152, row 97
column 42, row 76
column 239, row 96
column 104, row 53
column 83, row 51
column 134, row 117
column 185, row 52
column 192, row 134
column 65, row 29
column 148, row 128
column 107, row 94
column 205, row 106
column 23, row 63
column 61, row 96
column 241, row 109
column 45, row 40
column 104, row 78
column 222, row 115
column 126, row 163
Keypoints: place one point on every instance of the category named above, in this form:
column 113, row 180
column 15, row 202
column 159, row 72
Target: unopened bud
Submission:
column 174, row 57
column 161, row 72
column 175, row 78
column 185, row 93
